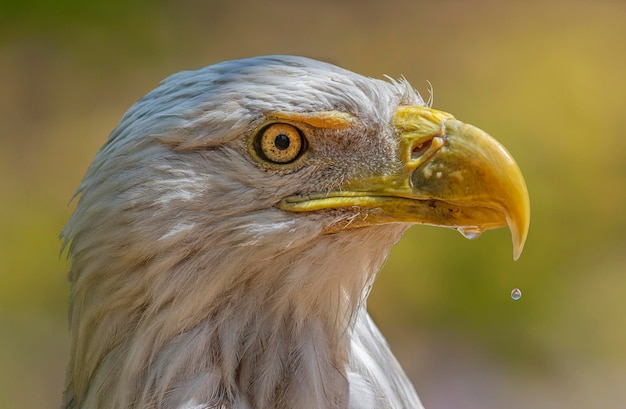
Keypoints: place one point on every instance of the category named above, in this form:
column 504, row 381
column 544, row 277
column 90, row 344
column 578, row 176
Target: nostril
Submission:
column 419, row 149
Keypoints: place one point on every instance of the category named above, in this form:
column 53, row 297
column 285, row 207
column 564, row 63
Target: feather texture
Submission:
column 190, row 289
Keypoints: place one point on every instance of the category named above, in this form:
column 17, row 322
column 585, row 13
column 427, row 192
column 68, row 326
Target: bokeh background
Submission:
column 546, row 78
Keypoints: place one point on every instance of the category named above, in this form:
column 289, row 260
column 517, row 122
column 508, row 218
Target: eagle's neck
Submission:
column 267, row 325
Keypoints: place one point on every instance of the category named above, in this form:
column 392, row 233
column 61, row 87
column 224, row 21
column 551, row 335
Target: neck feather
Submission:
column 243, row 322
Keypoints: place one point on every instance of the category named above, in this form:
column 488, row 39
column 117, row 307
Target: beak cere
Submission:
column 453, row 175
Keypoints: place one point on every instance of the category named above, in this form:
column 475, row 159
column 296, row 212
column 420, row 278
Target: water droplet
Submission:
column 471, row 233
column 516, row 294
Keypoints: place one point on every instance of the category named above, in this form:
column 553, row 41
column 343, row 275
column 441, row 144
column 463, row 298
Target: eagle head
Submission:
column 228, row 232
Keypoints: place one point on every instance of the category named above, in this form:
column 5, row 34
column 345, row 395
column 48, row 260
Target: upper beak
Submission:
column 470, row 169
column 452, row 174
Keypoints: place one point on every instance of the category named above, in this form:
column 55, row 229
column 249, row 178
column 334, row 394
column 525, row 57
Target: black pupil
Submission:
column 281, row 141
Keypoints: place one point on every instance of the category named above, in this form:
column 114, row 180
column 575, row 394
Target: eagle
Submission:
column 227, row 234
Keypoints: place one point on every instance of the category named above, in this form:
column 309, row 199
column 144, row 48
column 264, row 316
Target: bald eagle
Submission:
column 228, row 232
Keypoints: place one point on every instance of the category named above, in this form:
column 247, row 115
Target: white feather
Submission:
column 191, row 290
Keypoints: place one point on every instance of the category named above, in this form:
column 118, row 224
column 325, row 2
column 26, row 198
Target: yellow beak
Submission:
column 453, row 175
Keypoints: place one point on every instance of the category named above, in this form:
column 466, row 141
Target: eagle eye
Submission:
column 280, row 143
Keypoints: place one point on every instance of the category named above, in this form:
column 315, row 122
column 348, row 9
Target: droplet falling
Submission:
column 516, row 294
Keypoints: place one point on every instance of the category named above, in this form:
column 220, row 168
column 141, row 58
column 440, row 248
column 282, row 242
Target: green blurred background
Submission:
column 546, row 78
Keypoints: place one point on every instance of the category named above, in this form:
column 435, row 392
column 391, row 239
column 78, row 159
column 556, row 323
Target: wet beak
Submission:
column 452, row 175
